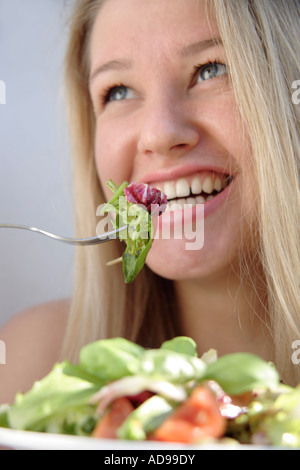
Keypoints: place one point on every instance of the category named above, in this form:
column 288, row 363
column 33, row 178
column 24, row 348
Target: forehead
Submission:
column 128, row 27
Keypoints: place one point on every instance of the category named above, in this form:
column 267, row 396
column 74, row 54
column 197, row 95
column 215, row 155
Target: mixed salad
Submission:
column 119, row 390
column 135, row 205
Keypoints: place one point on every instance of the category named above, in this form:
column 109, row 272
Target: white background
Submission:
column 35, row 161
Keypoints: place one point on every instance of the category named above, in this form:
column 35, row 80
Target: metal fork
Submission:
column 105, row 237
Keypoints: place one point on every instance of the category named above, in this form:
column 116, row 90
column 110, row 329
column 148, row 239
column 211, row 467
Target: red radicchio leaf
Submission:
column 153, row 199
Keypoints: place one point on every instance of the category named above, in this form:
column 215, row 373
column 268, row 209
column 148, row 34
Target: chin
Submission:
column 171, row 260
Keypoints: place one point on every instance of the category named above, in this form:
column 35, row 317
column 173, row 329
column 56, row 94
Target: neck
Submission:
column 227, row 315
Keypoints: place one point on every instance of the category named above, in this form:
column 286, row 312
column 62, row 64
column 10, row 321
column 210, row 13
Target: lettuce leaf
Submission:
column 64, row 389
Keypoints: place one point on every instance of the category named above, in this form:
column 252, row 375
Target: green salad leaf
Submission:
column 55, row 395
column 282, row 424
column 139, row 233
column 241, row 372
column 146, row 418
column 4, row 409
column 111, row 359
column 182, row 345
column 171, row 365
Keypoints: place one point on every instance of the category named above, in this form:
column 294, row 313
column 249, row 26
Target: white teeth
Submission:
column 208, row 185
column 218, row 184
column 181, row 204
column 182, row 188
column 191, row 201
column 176, row 205
column 185, row 203
column 196, row 186
column 169, row 190
column 200, row 200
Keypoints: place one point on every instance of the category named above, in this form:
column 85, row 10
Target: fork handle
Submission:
column 71, row 241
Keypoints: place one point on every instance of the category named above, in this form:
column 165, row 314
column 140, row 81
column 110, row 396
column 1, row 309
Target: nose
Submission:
column 167, row 128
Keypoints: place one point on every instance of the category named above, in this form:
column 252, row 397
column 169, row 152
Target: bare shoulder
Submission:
column 33, row 341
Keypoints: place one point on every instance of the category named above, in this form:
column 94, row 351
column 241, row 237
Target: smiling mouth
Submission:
column 197, row 189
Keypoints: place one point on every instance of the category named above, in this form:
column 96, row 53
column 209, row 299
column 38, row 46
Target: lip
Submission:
column 169, row 174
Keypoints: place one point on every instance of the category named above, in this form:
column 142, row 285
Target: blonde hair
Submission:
column 262, row 44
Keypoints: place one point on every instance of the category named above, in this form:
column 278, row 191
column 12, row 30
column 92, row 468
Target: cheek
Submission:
column 237, row 143
column 112, row 155
column 231, row 132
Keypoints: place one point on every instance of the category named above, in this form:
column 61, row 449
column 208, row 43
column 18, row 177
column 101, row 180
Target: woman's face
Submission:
column 166, row 115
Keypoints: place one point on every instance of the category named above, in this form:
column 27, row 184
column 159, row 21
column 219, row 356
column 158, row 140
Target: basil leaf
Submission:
column 241, row 372
column 181, row 344
column 172, row 366
column 111, row 359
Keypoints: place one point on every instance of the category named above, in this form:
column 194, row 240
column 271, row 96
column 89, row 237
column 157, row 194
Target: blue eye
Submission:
column 211, row 70
column 117, row 93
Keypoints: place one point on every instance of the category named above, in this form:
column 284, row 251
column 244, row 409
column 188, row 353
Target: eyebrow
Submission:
column 186, row 51
column 117, row 64
column 199, row 46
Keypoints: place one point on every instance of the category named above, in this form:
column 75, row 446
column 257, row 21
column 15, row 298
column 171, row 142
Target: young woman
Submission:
column 191, row 97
